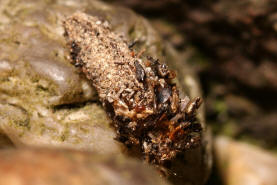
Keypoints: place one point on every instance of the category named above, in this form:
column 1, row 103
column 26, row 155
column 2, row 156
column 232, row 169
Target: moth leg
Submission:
column 179, row 130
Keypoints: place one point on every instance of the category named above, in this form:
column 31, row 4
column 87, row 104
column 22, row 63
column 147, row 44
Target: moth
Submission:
column 138, row 93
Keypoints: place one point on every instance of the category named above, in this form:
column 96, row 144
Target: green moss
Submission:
column 42, row 129
column 22, row 123
column 19, row 125
column 220, row 106
column 131, row 32
column 229, row 129
column 63, row 137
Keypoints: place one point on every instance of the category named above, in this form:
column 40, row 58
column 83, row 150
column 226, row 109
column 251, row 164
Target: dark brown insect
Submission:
column 138, row 93
column 140, row 73
column 132, row 44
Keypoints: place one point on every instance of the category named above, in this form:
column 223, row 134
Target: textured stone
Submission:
column 45, row 101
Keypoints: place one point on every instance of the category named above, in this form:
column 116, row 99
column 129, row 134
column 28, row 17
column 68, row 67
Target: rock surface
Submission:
column 240, row 163
column 44, row 101
column 52, row 167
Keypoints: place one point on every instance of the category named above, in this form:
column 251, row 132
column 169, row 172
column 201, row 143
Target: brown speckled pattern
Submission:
column 137, row 92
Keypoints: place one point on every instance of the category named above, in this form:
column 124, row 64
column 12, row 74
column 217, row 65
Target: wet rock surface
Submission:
column 44, row 101
column 56, row 167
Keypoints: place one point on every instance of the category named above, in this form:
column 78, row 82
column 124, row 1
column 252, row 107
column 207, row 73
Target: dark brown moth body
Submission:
column 138, row 94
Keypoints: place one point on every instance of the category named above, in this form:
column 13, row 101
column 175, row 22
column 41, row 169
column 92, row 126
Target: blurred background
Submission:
column 233, row 47
column 230, row 44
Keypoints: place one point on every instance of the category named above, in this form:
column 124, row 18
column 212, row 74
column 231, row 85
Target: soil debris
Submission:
column 138, row 93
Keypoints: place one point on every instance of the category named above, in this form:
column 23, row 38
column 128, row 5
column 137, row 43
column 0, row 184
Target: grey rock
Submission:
column 45, row 101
